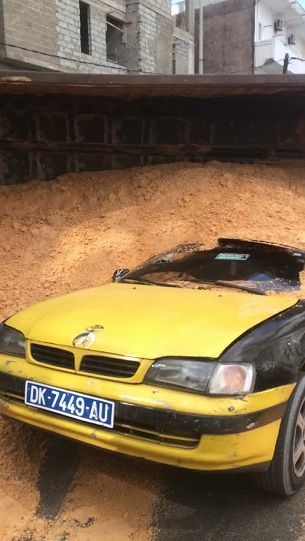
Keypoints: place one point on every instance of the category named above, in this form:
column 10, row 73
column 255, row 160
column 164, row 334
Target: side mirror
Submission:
column 118, row 274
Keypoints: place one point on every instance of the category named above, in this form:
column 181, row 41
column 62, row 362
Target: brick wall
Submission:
column 68, row 38
column 53, row 27
column 27, row 25
column 148, row 23
column 149, row 36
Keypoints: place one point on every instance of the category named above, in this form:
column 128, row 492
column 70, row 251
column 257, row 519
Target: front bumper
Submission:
column 162, row 425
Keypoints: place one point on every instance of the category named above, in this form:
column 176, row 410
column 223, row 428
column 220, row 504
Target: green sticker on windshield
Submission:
column 233, row 257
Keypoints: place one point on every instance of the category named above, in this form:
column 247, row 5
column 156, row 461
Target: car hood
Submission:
column 149, row 321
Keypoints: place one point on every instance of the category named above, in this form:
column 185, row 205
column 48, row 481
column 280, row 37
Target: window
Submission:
column 85, row 30
column 260, row 31
column 259, row 270
column 114, row 40
column 174, row 58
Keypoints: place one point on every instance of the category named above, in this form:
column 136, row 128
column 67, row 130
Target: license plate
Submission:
column 76, row 405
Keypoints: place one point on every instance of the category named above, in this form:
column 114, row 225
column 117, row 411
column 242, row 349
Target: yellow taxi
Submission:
column 194, row 359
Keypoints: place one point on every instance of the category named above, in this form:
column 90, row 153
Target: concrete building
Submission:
column 250, row 36
column 93, row 36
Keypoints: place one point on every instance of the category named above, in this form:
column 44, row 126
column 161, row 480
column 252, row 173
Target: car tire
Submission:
column 287, row 470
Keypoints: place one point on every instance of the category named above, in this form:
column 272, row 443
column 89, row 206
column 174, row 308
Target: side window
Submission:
column 85, row 28
column 114, row 40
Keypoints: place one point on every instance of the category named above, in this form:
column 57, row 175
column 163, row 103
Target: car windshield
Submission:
column 257, row 271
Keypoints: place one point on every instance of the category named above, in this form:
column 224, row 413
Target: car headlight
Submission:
column 12, row 342
column 206, row 377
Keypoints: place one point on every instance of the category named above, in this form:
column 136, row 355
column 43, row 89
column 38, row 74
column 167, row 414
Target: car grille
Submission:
column 108, row 366
column 54, row 356
column 91, row 364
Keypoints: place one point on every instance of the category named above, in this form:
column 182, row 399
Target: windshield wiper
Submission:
column 147, row 281
column 229, row 284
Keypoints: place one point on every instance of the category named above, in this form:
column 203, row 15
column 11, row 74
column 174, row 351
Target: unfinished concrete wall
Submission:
column 228, row 37
column 132, row 36
column 183, row 52
column 149, row 36
column 53, row 27
column 164, row 42
column 2, row 33
column 32, row 26
column 69, row 42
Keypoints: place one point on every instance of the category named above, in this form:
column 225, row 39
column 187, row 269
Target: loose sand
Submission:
column 72, row 233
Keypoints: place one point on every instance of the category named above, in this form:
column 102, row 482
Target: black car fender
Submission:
column 276, row 347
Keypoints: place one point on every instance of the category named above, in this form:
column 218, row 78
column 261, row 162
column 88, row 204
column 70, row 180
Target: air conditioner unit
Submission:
column 291, row 39
column 278, row 25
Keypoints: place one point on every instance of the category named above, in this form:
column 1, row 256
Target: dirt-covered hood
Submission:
column 149, row 321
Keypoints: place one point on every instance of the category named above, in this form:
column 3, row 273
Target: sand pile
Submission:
column 73, row 232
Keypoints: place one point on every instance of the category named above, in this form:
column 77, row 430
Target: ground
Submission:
column 72, row 233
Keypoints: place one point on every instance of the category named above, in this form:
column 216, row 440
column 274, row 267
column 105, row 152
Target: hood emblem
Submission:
column 86, row 339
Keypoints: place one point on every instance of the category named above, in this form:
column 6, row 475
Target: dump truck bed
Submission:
column 53, row 123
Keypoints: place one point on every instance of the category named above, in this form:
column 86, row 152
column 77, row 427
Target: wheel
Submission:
column 287, row 470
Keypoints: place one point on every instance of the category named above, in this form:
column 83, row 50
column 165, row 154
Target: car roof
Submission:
column 258, row 245
column 225, row 243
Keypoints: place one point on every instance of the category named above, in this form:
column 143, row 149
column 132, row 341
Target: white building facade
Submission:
column 279, row 30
